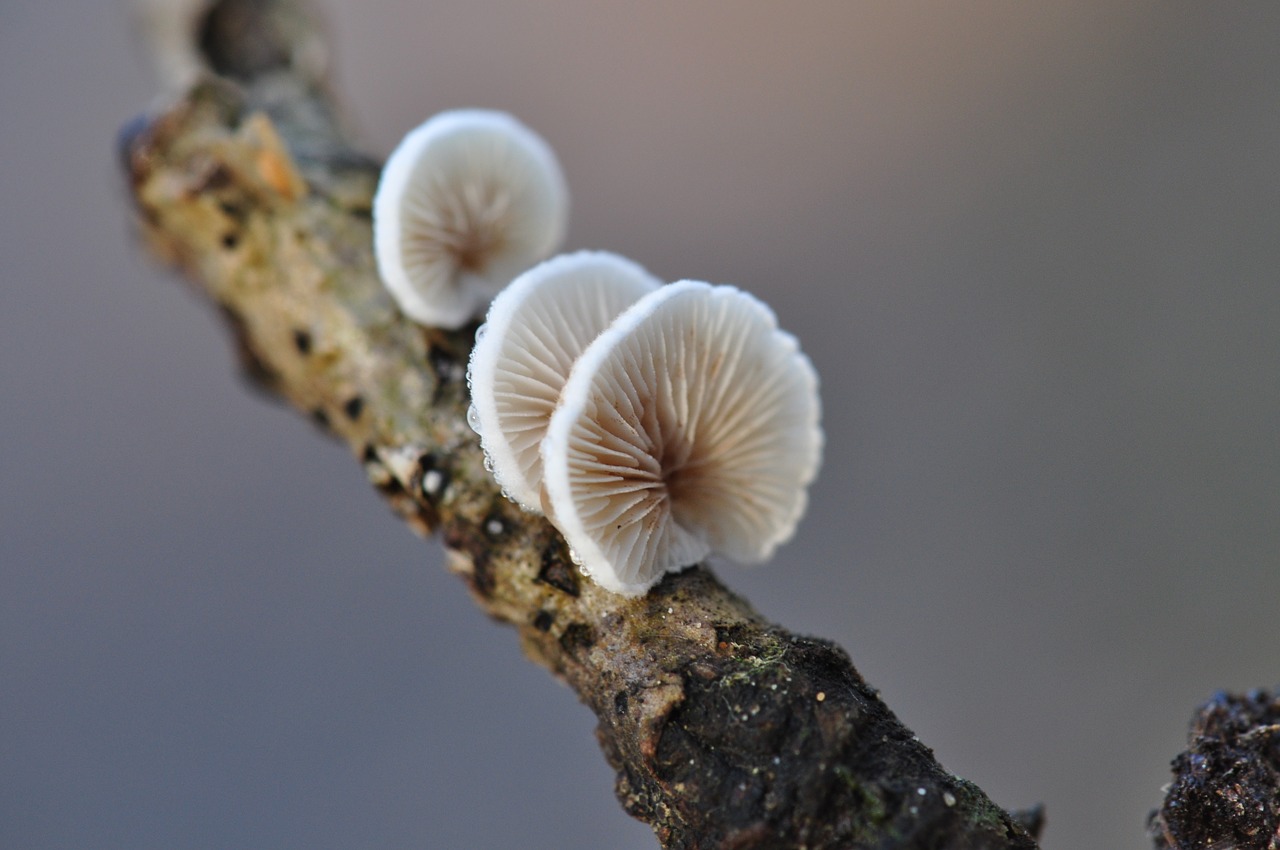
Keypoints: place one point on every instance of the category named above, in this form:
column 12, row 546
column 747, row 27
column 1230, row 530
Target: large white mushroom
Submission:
column 690, row 426
column 536, row 328
column 465, row 203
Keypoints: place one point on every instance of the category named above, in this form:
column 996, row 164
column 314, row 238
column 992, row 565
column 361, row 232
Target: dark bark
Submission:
column 1225, row 793
column 725, row 730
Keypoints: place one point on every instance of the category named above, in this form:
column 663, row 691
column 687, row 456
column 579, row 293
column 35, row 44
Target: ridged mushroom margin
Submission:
column 535, row 331
column 690, row 426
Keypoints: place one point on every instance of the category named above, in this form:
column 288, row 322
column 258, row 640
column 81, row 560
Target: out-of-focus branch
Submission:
column 724, row 729
column 1225, row 793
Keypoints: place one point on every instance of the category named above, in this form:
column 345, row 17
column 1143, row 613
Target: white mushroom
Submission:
column 465, row 203
column 690, row 426
column 536, row 328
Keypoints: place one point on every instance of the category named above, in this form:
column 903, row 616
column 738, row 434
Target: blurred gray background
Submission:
column 1032, row 249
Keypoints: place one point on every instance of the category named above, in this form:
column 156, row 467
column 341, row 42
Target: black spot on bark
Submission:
column 216, row 179
column 447, row 352
column 542, row 621
column 353, row 407
column 220, row 178
column 557, row 570
column 390, row 487
column 230, row 241
column 577, row 639
column 444, row 363
column 482, row 578
column 464, row 537
column 302, row 341
column 620, row 702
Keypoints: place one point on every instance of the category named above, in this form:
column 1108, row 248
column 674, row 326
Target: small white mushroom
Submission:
column 690, row 426
column 465, row 203
column 536, row 328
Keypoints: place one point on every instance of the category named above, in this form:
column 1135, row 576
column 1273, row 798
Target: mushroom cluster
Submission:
column 653, row 425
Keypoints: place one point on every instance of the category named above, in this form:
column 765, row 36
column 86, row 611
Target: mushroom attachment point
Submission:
column 536, row 329
column 465, row 203
column 689, row 427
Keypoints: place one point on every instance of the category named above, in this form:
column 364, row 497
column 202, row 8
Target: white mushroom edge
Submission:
column 535, row 331
column 690, row 426
column 466, row 202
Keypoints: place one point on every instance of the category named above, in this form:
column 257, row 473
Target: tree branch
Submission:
column 1225, row 793
column 724, row 729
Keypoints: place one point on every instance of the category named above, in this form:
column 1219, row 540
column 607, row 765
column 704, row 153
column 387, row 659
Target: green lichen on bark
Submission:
column 724, row 729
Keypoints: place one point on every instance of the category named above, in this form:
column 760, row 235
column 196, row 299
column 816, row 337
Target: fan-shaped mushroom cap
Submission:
column 690, row 426
column 465, row 203
column 536, row 328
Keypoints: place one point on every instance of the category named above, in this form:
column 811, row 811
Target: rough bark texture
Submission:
column 725, row 730
column 1225, row 794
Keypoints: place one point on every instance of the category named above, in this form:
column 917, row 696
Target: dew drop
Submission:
column 481, row 331
column 473, row 418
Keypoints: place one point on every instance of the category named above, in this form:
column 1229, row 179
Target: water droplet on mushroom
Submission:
column 473, row 419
